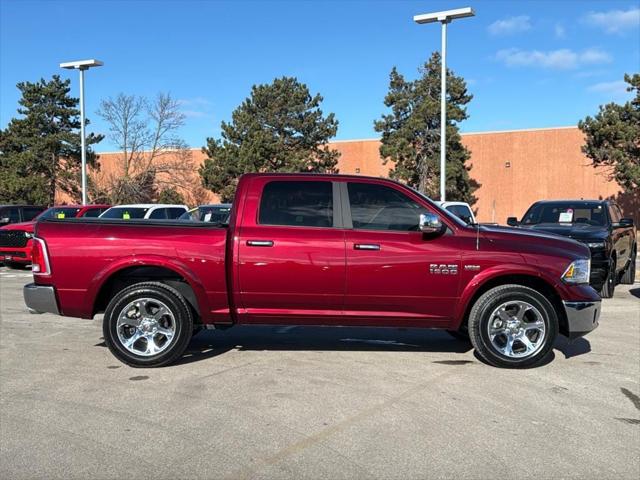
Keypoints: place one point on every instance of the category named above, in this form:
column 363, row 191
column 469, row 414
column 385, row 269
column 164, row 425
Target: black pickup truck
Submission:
column 599, row 225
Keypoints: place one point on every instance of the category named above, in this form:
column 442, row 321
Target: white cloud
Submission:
column 200, row 101
column 616, row 88
column 196, row 107
column 563, row 59
column 559, row 31
column 614, row 21
column 510, row 25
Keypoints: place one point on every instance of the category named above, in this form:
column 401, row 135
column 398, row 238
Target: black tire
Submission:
column 609, row 286
column 480, row 317
column 629, row 275
column 178, row 308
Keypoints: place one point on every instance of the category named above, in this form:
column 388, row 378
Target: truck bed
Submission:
column 85, row 252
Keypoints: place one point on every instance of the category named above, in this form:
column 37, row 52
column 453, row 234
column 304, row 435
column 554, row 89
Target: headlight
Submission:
column 595, row 244
column 577, row 272
column 28, row 234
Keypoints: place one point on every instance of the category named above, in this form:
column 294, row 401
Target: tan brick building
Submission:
column 513, row 168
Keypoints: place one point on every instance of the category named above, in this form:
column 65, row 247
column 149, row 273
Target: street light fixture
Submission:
column 82, row 65
column 443, row 17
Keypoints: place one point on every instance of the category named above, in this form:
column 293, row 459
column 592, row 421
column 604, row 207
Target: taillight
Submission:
column 39, row 258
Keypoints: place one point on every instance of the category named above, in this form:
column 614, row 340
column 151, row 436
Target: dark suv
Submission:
column 18, row 213
column 599, row 225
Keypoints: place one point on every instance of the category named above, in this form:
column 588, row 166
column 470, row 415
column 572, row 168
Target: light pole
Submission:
column 443, row 17
column 82, row 65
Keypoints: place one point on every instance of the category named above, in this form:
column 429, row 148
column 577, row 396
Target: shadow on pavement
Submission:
column 635, row 292
column 211, row 343
column 572, row 348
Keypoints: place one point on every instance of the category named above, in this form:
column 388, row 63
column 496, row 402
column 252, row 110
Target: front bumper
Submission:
column 40, row 298
column 582, row 317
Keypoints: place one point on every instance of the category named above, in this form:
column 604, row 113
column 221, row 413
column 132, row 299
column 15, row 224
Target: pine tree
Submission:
column 279, row 128
column 40, row 151
column 411, row 132
column 613, row 138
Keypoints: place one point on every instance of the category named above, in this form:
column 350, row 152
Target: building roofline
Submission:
column 463, row 134
column 569, row 127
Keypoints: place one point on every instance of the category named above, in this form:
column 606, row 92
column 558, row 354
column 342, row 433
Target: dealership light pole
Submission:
column 443, row 17
column 82, row 65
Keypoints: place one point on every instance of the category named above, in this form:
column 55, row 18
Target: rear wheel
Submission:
column 609, row 286
column 148, row 324
column 629, row 275
column 513, row 326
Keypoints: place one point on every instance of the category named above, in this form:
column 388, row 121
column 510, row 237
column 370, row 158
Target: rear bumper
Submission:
column 16, row 254
column 582, row 317
column 40, row 298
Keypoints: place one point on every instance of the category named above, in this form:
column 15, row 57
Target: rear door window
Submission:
column 297, row 204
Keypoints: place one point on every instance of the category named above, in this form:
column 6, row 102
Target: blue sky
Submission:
column 529, row 64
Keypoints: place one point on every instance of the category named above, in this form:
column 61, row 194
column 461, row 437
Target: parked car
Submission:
column 599, row 225
column 303, row 249
column 153, row 211
column 215, row 213
column 462, row 210
column 15, row 238
column 18, row 213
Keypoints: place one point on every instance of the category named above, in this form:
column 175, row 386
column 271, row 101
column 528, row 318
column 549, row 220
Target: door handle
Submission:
column 366, row 246
column 260, row 243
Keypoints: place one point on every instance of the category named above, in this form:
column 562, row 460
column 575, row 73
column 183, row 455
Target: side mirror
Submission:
column 624, row 223
column 430, row 223
column 513, row 222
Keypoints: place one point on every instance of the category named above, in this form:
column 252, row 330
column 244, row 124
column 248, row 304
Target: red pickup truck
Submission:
column 309, row 249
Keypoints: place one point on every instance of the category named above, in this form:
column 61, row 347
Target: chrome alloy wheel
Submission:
column 517, row 329
column 146, row 327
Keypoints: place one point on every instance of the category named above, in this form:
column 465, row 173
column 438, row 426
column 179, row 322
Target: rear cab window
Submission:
column 297, row 204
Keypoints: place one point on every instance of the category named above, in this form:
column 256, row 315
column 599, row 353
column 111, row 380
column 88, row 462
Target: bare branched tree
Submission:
column 152, row 156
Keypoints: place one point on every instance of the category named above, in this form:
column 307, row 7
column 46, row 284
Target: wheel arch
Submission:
column 525, row 279
column 127, row 274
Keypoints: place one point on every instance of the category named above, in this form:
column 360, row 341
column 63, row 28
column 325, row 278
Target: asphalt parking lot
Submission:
column 283, row 402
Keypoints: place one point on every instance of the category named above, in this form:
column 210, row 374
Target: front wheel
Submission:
column 609, row 286
column 513, row 326
column 148, row 324
column 629, row 275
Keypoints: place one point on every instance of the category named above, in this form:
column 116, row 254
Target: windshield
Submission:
column 125, row 213
column 205, row 213
column 462, row 212
column 60, row 212
column 567, row 213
